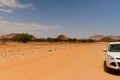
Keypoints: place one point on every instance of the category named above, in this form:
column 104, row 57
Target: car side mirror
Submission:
column 105, row 50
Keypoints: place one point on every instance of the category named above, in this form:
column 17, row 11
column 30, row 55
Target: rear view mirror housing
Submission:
column 105, row 50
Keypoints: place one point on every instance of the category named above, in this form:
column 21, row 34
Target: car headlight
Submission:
column 110, row 57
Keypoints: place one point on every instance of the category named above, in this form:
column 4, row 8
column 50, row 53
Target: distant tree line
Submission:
column 63, row 38
column 68, row 40
column 25, row 37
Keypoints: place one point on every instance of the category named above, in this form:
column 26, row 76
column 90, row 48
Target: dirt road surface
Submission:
column 84, row 62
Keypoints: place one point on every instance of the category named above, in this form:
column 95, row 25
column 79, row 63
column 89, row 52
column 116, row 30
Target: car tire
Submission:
column 106, row 69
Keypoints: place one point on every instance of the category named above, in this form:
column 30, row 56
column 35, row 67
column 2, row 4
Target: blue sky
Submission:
column 49, row 18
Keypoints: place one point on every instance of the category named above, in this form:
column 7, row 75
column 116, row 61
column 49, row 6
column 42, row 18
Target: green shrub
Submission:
column 23, row 37
column 49, row 39
column 90, row 40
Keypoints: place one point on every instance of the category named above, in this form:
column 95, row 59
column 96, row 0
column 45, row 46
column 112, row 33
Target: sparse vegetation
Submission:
column 70, row 40
column 23, row 37
column 3, row 41
column 49, row 39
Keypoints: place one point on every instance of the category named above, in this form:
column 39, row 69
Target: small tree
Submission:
column 90, row 40
column 72, row 40
column 23, row 37
column 62, row 37
column 49, row 39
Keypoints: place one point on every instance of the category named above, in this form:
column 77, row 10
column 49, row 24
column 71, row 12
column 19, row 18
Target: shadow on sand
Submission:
column 114, row 72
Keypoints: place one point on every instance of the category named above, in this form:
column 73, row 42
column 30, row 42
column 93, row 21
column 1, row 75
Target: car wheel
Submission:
column 106, row 69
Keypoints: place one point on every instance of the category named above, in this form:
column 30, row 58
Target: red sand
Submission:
column 36, row 61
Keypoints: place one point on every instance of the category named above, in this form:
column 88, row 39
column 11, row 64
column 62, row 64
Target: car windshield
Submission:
column 114, row 47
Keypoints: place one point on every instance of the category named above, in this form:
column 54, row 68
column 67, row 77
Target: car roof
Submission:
column 114, row 43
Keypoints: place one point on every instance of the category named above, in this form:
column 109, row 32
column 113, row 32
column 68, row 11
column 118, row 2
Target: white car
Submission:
column 112, row 56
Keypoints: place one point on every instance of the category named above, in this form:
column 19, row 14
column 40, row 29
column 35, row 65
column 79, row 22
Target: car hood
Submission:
column 114, row 54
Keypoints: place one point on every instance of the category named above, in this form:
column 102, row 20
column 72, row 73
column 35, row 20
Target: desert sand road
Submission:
column 80, row 63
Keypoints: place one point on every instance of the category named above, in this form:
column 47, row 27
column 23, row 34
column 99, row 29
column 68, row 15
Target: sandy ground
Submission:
column 44, row 61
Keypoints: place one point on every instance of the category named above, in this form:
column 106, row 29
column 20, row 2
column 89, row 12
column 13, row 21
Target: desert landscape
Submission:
column 53, row 61
column 59, row 39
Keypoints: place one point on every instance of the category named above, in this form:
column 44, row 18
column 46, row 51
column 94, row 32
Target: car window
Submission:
column 114, row 47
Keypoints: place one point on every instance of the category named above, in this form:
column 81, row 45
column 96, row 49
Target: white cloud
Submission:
column 18, row 27
column 6, row 10
column 12, row 4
